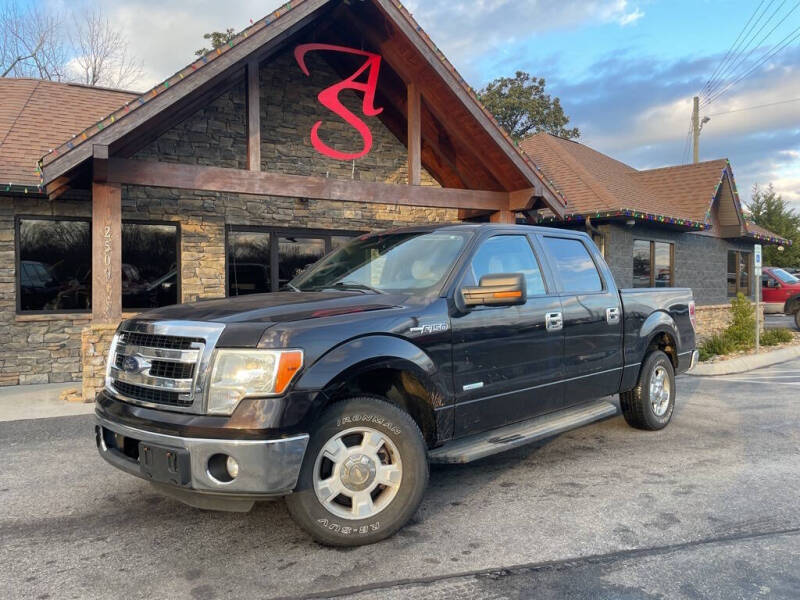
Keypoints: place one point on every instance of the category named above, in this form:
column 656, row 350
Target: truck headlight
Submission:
column 240, row 374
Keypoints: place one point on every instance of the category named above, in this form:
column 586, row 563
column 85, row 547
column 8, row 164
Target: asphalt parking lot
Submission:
column 707, row 508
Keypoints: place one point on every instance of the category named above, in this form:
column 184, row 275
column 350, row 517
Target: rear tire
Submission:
column 363, row 476
column 797, row 319
column 650, row 404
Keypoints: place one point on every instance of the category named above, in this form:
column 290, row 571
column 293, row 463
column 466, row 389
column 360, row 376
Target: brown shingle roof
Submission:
column 593, row 182
column 37, row 115
column 763, row 234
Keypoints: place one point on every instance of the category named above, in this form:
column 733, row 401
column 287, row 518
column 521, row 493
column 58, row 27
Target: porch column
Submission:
column 503, row 216
column 414, row 136
column 106, row 252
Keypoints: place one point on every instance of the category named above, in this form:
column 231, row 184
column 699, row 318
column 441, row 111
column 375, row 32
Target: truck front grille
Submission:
column 168, row 342
column 150, row 395
column 162, row 363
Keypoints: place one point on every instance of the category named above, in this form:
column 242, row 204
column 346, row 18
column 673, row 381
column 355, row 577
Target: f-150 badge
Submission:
column 429, row 329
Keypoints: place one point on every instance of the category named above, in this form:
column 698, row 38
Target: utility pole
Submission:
column 696, row 129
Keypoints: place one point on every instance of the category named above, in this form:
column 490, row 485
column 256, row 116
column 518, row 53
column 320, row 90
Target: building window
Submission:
column 54, row 260
column 739, row 269
column 54, row 265
column 653, row 264
column 266, row 259
column 149, row 265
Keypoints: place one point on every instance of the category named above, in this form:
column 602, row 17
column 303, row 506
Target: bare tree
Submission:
column 32, row 43
column 102, row 55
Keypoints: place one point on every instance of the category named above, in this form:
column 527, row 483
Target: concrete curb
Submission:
column 743, row 364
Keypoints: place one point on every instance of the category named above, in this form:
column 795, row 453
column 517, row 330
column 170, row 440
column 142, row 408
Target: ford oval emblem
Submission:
column 131, row 364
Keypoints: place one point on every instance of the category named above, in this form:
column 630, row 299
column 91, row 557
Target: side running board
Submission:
column 511, row 436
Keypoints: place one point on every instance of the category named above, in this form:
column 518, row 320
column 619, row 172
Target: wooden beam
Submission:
column 414, row 135
column 106, row 252
column 216, row 179
column 253, row 116
column 503, row 216
column 522, row 199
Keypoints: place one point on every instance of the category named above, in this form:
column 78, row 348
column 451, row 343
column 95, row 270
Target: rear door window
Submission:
column 574, row 265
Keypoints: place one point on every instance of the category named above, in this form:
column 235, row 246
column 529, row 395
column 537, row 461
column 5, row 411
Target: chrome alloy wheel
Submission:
column 357, row 473
column 659, row 391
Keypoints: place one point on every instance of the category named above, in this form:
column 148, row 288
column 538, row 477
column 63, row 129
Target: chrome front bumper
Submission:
column 266, row 467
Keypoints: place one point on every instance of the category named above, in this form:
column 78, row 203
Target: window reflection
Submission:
column 248, row 263
column 295, row 254
column 149, row 265
column 253, row 252
column 54, row 267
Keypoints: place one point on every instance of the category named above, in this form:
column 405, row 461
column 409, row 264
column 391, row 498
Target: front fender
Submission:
column 367, row 353
column 332, row 371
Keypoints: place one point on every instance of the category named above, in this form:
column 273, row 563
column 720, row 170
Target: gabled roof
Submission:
column 274, row 29
column 37, row 115
column 762, row 234
column 596, row 183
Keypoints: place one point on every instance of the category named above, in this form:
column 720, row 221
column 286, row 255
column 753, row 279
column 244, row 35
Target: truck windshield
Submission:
column 400, row 262
column 784, row 276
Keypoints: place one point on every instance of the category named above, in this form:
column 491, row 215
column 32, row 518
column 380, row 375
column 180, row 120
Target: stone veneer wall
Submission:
column 715, row 319
column 35, row 348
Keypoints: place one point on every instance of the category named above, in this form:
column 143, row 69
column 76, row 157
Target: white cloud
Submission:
column 631, row 17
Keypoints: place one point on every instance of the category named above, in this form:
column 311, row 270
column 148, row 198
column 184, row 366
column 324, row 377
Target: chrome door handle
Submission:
column 612, row 316
column 554, row 321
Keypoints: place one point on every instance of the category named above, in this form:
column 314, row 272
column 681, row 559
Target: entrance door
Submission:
column 592, row 321
column 507, row 365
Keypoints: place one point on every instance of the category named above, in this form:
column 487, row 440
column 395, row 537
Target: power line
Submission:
column 744, row 58
column 727, row 112
column 739, row 49
column 730, row 50
column 795, row 34
column 685, row 153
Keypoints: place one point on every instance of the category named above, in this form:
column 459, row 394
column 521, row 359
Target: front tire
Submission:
column 650, row 404
column 363, row 476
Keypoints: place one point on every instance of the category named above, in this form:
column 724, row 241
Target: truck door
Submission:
column 592, row 320
column 507, row 362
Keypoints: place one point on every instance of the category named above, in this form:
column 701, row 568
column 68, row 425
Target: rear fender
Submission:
column 792, row 305
column 657, row 323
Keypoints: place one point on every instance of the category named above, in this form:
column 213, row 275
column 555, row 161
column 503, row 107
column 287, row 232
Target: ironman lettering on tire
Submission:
column 364, row 473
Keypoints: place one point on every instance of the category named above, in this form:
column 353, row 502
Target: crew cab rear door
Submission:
column 507, row 361
column 592, row 318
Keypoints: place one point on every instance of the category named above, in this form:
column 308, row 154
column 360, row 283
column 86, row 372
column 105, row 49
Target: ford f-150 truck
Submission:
column 437, row 344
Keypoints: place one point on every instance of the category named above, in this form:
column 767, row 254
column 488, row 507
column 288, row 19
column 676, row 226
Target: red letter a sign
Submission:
column 329, row 98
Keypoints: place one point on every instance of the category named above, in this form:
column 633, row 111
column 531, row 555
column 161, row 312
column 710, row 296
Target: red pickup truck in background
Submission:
column 780, row 291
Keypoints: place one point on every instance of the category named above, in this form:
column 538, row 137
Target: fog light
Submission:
column 233, row 467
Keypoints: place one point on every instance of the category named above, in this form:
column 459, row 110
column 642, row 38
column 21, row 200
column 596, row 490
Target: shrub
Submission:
column 715, row 345
column 773, row 337
column 742, row 330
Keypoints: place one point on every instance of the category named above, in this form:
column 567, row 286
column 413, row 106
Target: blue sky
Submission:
column 625, row 70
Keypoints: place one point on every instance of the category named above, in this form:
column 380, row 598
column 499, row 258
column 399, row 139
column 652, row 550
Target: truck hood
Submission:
column 276, row 307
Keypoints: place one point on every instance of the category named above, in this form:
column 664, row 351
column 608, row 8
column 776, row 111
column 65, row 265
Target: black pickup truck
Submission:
column 437, row 344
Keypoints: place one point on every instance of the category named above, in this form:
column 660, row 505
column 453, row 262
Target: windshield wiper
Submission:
column 354, row 285
column 293, row 288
